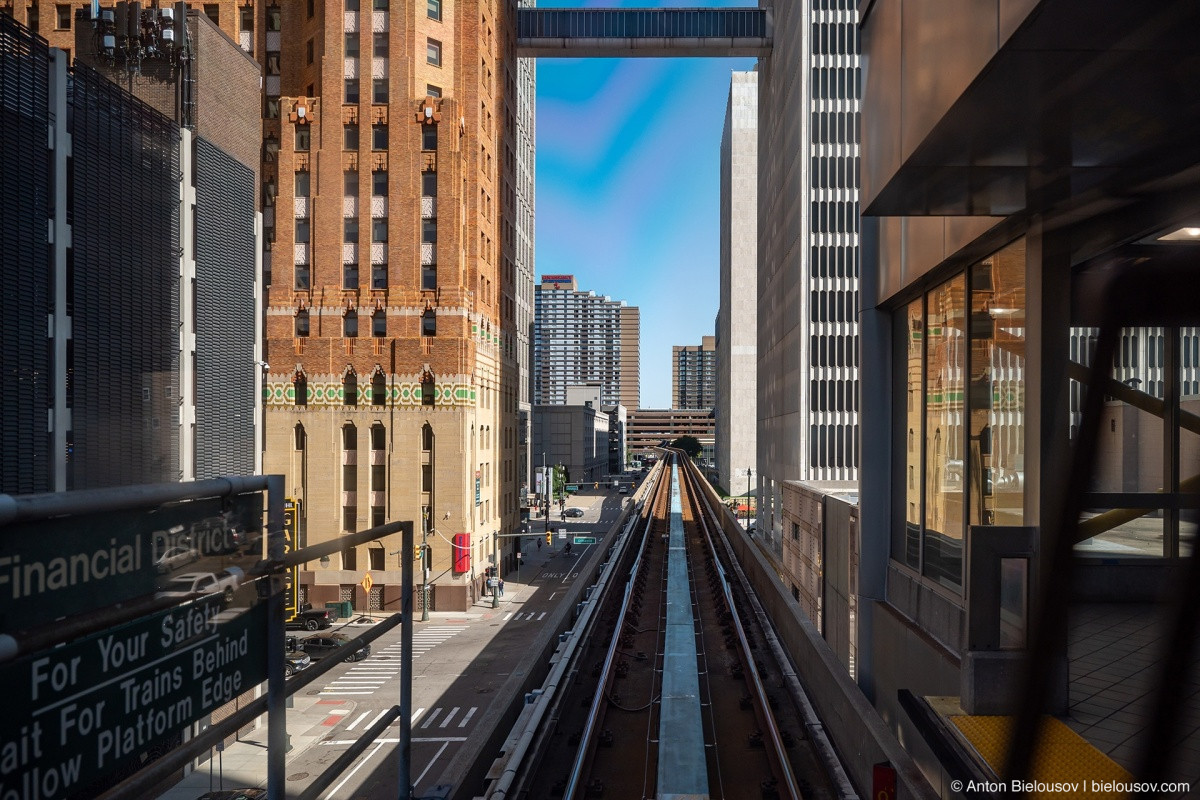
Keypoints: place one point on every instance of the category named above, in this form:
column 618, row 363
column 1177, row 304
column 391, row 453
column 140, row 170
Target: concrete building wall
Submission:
column 737, row 320
column 575, row 437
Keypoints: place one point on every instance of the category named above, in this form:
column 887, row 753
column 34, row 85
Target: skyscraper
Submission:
column 390, row 145
column 808, row 265
column 737, row 318
column 580, row 337
column 694, row 375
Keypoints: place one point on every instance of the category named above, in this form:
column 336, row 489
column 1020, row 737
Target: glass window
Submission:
column 351, row 49
column 302, row 283
column 350, row 230
column 302, row 322
column 301, row 384
column 350, row 389
column 272, row 108
column 303, row 138
column 429, row 137
column 350, row 183
column 910, row 335
column 379, row 276
column 433, row 52
column 945, row 363
column 379, row 230
column 349, row 137
column 274, row 18
column 352, row 5
column 429, row 323
column 349, row 276
column 429, row 184
column 303, row 184
column 380, row 5
column 428, row 392
column 351, row 93
column 273, row 60
column 309, row 51
column 302, row 230
column 247, row 18
column 433, row 91
column 379, row 323
column 379, row 90
column 378, row 390
column 429, row 231
column 433, row 9
column 996, row 396
column 213, row 12
column 379, row 45
column 378, row 437
column 379, row 137
column 379, row 183
column 350, row 325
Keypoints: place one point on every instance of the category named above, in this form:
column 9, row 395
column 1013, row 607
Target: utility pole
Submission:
column 425, row 567
column 496, row 562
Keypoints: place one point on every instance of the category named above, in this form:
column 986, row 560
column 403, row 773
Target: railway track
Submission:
column 672, row 691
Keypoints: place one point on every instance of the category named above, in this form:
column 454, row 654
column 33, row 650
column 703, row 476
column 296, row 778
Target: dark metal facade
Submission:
column 225, row 312
column 124, row 288
column 25, row 187
column 642, row 23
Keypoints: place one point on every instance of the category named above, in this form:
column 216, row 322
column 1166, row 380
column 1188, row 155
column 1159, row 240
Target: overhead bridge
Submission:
column 658, row 33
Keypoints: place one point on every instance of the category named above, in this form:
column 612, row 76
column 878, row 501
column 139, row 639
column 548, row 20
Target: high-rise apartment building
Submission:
column 737, row 317
column 580, row 337
column 694, row 375
column 394, row 383
column 808, row 263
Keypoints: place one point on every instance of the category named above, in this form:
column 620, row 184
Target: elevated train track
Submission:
column 672, row 691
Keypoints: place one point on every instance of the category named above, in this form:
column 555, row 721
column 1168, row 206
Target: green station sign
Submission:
column 57, row 567
column 93, row 708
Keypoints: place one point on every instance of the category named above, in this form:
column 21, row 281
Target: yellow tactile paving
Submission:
column 1065, row 764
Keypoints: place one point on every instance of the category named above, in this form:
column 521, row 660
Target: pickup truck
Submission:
column 224, row 582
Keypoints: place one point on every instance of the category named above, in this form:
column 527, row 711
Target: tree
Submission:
column 689, row 445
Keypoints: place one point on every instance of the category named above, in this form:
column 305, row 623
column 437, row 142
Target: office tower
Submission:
column 580, row 337
column 694, row 375
column 737, row 317
column 519, row 329
column 393, row 382
column 808, row 265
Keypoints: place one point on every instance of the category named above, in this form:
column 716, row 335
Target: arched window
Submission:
column 301, row 437
column 378, row 389
column 428, row 389
column 302, row 322
column 427, row 437
column 350, row 388
column 378, row 437
column 301, row 388
column 350, row 325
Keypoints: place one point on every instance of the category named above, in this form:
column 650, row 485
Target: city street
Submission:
column 461, row 661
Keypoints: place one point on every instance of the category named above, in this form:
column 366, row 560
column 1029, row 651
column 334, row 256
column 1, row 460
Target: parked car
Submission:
column 320, row 646
column 574, row 512
column 311, row 619
column 294, row 661
column 623, row 490
column 175, row 557
column 225, row 582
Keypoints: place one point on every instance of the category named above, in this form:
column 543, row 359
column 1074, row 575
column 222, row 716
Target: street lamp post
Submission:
column 496, row 562
column 749, row 472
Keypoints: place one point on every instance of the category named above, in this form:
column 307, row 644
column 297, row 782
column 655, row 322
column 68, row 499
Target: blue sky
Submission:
column 628, row 186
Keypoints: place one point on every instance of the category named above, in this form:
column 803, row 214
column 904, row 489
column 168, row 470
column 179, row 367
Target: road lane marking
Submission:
column 416, row 715
column 432, row 716
column 541, row 616
column 448, row 717
column 441, row 750
column 357, row 767
column 354, row 724
column 467, row 718
column 378, row 716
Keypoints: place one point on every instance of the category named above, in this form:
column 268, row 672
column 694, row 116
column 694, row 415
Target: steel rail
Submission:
column 587, row 743
column 812, row 723
column 762, row 708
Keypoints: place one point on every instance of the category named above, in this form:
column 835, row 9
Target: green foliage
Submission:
column 689, row 445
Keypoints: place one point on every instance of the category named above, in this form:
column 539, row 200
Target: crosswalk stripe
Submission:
column 432, row 716
column 416, row 715
column 354, row 724
column 540, row 616
column 507, row 617
column 340, row 692
column 378, row 717
column 448, row 717
column 467, row 718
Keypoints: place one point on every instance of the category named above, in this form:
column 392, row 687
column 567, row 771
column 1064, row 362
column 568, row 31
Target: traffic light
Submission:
column 417, row 553
column 549, row 539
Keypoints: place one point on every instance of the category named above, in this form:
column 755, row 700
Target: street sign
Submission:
column 366, row 583
column 52, row 568
column 585, row 540
column 562, row 533
column 91, row 709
